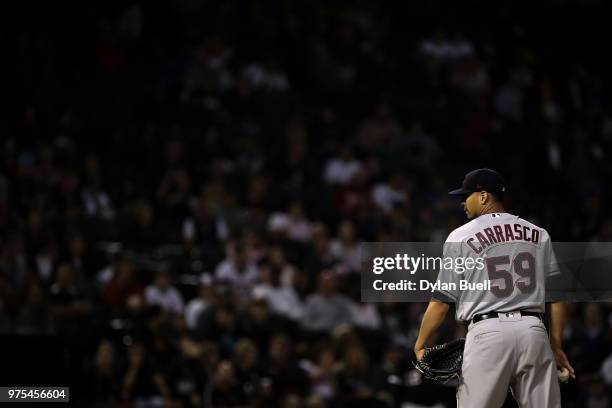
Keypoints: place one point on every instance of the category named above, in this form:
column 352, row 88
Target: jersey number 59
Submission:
column 523, row 265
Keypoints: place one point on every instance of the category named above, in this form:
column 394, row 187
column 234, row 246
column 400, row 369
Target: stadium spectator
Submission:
column 186, row 375
column 103, row 375
column 35, row 316
column 282, row 299
column 142, row 381
column 161, row 293
column 70, row 306
column 346, row 248
column 199, row 304
column 224, row 390
column 292, row 224
column 326, row 309
column 123, row 288
column 248, row 367
column 321, row 368
column 282, row 369
column 389, row 194
column 341, row 169
column 237, row 269
column 355, row 381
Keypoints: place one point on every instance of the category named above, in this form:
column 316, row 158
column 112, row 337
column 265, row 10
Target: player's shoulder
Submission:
column 543, row 233
column 525, row 222
column 458, row 234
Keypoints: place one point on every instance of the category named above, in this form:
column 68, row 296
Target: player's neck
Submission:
column 493, row 208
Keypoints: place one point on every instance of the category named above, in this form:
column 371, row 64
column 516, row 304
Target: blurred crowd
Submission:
column 184, row 186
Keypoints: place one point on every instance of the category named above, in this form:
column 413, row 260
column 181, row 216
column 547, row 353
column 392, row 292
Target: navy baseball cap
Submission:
column 481, row 180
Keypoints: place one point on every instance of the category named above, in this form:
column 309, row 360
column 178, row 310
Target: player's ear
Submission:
column 483, row 197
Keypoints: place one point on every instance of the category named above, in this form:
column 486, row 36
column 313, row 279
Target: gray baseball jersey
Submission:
column 511, row 259
column 511, row 351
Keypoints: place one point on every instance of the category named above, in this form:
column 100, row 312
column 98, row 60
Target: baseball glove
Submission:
column 442, row 362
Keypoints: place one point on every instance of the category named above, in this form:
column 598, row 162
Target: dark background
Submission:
column 150, row 142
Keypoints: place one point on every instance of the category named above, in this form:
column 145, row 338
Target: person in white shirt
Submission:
column 282, row 299
column 293, row 224
column 346, row 247
column 161, row 293
column 237, row 270
column 365, row 316
column 326, row 309
column 199, row 304
column 387, row 195
column 341, row 170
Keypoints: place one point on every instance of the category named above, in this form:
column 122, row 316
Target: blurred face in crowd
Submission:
column 592, row 314
column 77, row 246
column 318, row 231
column 356, row 359
column 222, row 294
column 105, row 354
column 206, row 292
column 144, row 214
column 246, row 353
column 35, row 294
column 225, row 374
column 64, row 275
column 347, row 231
column 34, row 219
column 259, row 310
column 182, row 181
column 174, row 151
column 292, row 401
column 326, row 359
column 327, row 283
column 279, row 348
column 393, row 356
column 162, row 280
column 265, row 275
column 189, row 348
column 210, row 355
column 277, row 256
column 136, row 353
column 296, row 211
column 125, row 271
column 225, row 319
column 395, row 181
column 314, row 401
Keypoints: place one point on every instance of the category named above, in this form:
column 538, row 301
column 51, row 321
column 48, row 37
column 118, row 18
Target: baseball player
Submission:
column 507, row 345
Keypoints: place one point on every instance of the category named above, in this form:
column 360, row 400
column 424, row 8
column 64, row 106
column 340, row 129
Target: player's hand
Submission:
column 419, row 353
column 562, row 361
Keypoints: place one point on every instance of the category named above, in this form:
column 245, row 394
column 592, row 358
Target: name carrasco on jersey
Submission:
column 502, row 233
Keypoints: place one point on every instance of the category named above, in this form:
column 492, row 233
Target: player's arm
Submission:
column 433, row 318
column 558, row 317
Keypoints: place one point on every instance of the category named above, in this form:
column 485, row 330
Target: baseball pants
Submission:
column 508, row 352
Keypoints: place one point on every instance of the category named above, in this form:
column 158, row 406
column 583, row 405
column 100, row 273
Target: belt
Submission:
column 492, row 315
